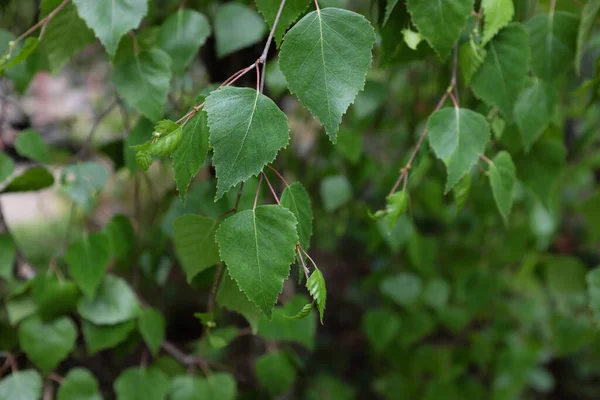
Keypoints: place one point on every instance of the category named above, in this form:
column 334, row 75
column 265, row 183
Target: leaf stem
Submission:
column 487, row 160
column 271, row 188
column 214, row 287
column 279, row 175
column 304, row 267
column 263, row 57
column 257, row 191
column 317, row 5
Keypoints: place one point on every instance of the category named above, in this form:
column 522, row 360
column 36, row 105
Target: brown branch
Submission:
column 263, row 57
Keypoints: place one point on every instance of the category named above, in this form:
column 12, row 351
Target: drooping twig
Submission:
column 263, row 56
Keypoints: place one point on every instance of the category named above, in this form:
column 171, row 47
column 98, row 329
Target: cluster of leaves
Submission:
column 494, row 286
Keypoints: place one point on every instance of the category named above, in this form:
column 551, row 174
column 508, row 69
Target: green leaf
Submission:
column 7, row 166
column 122, row 237
column 258, row 247
column 589, row 12
column 502, row 180
column 138, row 136
column 292, row 10
column 33, row 179
column 436, row 293
column 440, row 22
column 275, row 372
column 280, row 328
column 295, row 198
column 21, row 385
column 326, row 387
column 30, row 144
column 142, row 384
column 534, row 110
column 498, row 13
column 316, row 286
column 182, row 35
column 230, row 297
column 79, row 384
column 115, row 302
column 552, row 39
column 218, row 386
column 102, row 337
column 143, row 80
column 54, row 297
column 470, row 57
column 403, row 288
column 381, row 327
column 236, row 26
column 240, row 119
column 502, row 75
column 47, row 344
column 88, row 259
column 461, row 191
column 335, row 192
column 152, row 328
column 565, row 276
column 397, row 203
column 593, row 285
column 66, row 34
column 274, row 79
column 195, row 243
column 19, row 308
column 325, row 58
column 541, row 169
column 458, row 136
column 21, row 54
column 165, row 139
column 83, row 181
column 111, row 19
column 304, row 312
column 8, row 253
column 191, row 153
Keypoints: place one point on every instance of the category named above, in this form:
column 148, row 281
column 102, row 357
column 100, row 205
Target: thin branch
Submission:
column 258, row 84
column 271, row 188
column 86, row 144
column 454, row 100
column 56, row 378
column 213, row 289
column 263, row 57
column 238, row 198
column 309, row 257
column 552, row 7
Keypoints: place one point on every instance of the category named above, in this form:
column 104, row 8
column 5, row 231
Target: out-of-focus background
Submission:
column 450, row 303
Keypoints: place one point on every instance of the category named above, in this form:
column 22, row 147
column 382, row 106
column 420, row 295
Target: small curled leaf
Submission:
column 397, row 204
column 316, row 286
column 167, row 137
column 143, row 160
column 303, row 312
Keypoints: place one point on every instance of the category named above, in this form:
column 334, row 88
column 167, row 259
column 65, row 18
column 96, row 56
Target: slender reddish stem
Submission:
column 258, row 190
column 279, row 175
column 271, row 187
column 304, row 267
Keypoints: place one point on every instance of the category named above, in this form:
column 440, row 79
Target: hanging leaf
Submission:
column 17, row 56
column 296, row 199
column 534, row 110
column 552, row 39
column 236, row 27
column 593, row 285
column 115, row 302
column 289, row 14
column 327, row 80
column 111, row 19
column 502, row 75
column 397, row 203
column 258, row 247
column 458, row 136
column 230, row 297
column 502, row 180
column 380, row 328
column 30, row 144
column 83, row 181
column 440, row 23
column 589, row 13
column 498, row 13
column 152, row 327
column 182, row 35
column 21, row 385
column 88, row 259
column 335, row 192
column 195, row 243
column 33, row 179
column 461, row 191
column 247, row 129
column 218, row 385
column 275, row 372
column 79, row 384
column 102, row 337
column 304, row 312
column 142, row 384
column 316, row 286
column 281, row 329
column 7, row 166
column 470, row 57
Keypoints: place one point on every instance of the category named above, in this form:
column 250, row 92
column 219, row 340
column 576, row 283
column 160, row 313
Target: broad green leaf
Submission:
column 498, row 13
column 380, row 327
column 165, row 139
column 304, row 312
column 18, row 54
column 143, row 81
column 291, row 11
column 30, row 144
column 21, row 385
column 111, row 19
column 47, row 344
column 191, row 153
column 83, row 181
column 217, row 386
column 79, row 384
column 230, row 297
column 403, row 288
column 88, row 259
column 142, row 384
column 502, row 75
column 280, row 328
column 326, row 387
column 589, row 13
column 458, row 136
column 335, row 192
column 325, row 58
column 436, row 293
column 534, row 110
column 195, row 243
column 317, row 289
column 7, row 166
column 258, row 247
column 182, row 35
column 502, row 175
column 470, row 57
column 565, row 276
column 54, row 297
column 440, row 22
column 541, row 169
column 115, row 302
column 33, row 179
column 593, row 285
column 552, row 38
column 102, row 337
column 295, row 198
column 152, row 327
column 247, row 129
column 389, row 8
column 275, row 372
column 397, row 203
column 122, row 237
column 461, row 191
column 236, row 26
column 20, row 307
column 139, row 135
column 66, row 34
column 8, row 253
